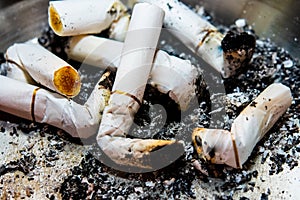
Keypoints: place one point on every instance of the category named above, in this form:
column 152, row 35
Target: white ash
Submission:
column 288, row 63
column 240, row 23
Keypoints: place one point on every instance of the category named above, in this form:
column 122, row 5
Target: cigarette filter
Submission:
column 233, row 148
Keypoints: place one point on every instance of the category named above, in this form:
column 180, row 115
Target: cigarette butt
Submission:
column 259, row 117
column 43, row 106
column 128, row 90
column 203, row 38
column 45, row 68
column 77, row 17
column 132, row 74
column 233, row 148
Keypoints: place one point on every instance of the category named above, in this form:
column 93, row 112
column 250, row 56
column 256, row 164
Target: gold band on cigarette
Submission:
column 208, row 32
column 32, row 103
column 236, row 153
column 129, row 95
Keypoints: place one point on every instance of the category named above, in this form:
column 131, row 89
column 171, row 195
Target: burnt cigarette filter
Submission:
column 204, row 39
column 77, row 17
column 235, row 146
column 43, row 67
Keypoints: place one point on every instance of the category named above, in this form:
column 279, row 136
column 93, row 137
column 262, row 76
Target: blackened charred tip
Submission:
column 198, row 141
column 108, row 78
column 234, row 41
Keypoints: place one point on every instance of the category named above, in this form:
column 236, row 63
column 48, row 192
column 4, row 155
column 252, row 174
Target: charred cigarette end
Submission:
column 162, row 154
column 233, row 148
column 67, row 81
column 117, row 8
column 197, row 141
column 54, row 20
column 108, row 78
column 238, row 50
column 139, row 153
column 204, row 151
column 215, row 146
column 153, row 145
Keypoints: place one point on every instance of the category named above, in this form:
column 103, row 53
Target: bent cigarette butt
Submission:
column 45, row 68
column 76, row 17
column 169, row 74
column 40, row 105
column 233, row 148
column 202, row 37
column 128, row 90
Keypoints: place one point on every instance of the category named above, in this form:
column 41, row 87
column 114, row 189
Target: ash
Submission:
column 280, row 147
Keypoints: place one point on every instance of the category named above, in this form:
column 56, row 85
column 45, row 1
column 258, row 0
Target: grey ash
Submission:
column 279, row 147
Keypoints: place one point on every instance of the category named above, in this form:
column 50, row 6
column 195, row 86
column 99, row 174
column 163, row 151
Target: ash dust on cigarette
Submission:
column 88, row 178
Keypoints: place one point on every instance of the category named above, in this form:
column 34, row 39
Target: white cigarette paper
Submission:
column 40, row 105
column 200, row 36
column 44, row 67
column 128, row 90
column 18, row 73
column 233, row 148
column 77, row 17
column 133, row 71
column 169, row 73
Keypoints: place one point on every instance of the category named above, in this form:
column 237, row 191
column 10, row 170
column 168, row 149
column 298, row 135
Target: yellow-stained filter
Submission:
column 67, row 81
column 54, row 20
